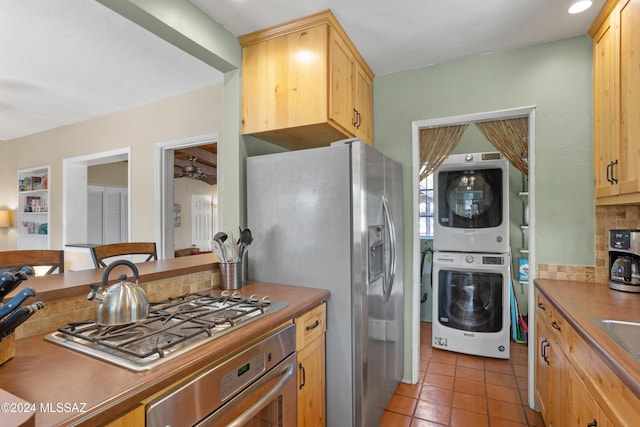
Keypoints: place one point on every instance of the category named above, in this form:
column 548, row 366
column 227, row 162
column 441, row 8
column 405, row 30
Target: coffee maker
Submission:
column 624, row 260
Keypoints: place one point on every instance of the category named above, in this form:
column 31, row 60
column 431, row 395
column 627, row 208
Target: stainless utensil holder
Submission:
column 230, row 275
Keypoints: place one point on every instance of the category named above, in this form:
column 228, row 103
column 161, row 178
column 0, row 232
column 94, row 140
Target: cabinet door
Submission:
column 284, row 81
column 133, row 418
column 606, row 129
column 629, row 30
column 341, row 91
column 363, row 105
column 584, row 409
column 311, row 384
column 542, row 367
column 558, row 388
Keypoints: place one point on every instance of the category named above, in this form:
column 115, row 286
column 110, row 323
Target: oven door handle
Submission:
column 286, row 371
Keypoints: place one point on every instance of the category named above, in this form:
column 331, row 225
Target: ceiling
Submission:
column 65, row 61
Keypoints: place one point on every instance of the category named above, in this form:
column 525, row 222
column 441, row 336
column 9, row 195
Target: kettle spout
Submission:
column 94, row 295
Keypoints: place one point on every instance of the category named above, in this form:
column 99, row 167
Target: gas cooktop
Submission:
column 173, row 327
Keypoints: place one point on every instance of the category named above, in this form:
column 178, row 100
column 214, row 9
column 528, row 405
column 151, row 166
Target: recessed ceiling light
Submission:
column 579, row 6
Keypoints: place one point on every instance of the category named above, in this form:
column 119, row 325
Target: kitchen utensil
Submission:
column 220, row 237
column 218, row 250
column 15, row 302
column 7, row 279
column 244, row 240
column 230, row 252
column 121, row 303
column 11, row 280
column 18, row 317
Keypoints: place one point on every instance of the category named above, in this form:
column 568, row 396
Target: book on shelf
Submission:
column 30, row 183
column 35, row 204
column 31, row 227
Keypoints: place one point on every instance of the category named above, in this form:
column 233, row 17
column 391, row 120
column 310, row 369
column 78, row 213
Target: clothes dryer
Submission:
column 471, row 193
column 471, row 303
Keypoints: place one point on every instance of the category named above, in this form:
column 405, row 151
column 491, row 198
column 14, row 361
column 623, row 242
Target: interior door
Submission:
column 201, row 221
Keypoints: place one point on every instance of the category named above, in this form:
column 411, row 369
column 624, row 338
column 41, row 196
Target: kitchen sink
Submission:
column 626, row 334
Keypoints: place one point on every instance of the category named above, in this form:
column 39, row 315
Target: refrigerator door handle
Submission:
column 392, row 241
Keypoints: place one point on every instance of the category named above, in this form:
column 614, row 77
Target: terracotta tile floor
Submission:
column 463, row 391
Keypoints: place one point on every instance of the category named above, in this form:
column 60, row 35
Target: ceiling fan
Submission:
column 192, row 171
column 198, row 163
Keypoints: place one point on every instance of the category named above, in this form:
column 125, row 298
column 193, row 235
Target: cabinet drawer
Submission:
column 561, row 331
column 310, row 325
column 555, row 322
column 543, row 307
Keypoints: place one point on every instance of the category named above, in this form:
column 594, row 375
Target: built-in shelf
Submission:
column 33, row 208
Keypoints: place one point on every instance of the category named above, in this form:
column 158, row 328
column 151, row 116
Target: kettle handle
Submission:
column 132, row 266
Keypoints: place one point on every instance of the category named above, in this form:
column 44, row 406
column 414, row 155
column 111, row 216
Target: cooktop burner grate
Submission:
column 173, row 326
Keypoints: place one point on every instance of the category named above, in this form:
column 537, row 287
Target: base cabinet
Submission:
column 585, row 412
column 551, row 369
column 543, row 368
column 310, row 347
column 133, row 418
column 574, row 386
column 558, row 386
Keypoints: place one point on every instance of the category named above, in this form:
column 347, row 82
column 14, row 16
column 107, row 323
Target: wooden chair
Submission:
column 102, row 254
column 13, row 260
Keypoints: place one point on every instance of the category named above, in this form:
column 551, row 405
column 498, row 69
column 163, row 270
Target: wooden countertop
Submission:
column 92, row 392
column 579, row 302
column 74, row 283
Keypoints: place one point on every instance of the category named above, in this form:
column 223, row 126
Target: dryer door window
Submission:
column 470, row 301
column 470, row 199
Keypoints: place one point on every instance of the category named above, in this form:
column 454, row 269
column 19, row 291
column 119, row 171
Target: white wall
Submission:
column 195, row 113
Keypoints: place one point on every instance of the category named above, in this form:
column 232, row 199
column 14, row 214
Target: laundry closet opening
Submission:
column 519, row 200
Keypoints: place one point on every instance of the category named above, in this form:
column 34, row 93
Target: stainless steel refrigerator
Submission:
column 331, row 218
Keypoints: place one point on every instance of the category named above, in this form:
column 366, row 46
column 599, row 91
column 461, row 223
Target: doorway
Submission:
column 528, row 112
column 172, row 217
column 76, row 191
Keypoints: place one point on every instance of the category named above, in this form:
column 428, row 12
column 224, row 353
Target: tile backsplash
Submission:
column 607, row 218
column 76, row 309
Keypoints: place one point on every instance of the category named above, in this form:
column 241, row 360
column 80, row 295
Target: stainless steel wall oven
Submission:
column 256, row 387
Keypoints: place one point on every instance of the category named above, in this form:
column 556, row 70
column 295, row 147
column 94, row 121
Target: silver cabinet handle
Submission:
column 392, row 240
column 286, row 371
column 260, row 404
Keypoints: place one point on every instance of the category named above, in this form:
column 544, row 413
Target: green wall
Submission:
column 556, row 79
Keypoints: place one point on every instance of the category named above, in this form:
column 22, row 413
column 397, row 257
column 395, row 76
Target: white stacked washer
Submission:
column 471, row 263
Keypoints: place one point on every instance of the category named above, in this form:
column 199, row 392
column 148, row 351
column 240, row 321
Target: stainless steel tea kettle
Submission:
column 626, row 269
column 120, row 303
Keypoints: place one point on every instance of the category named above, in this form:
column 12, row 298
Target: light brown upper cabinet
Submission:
column 616, row 76
column 305, row 85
